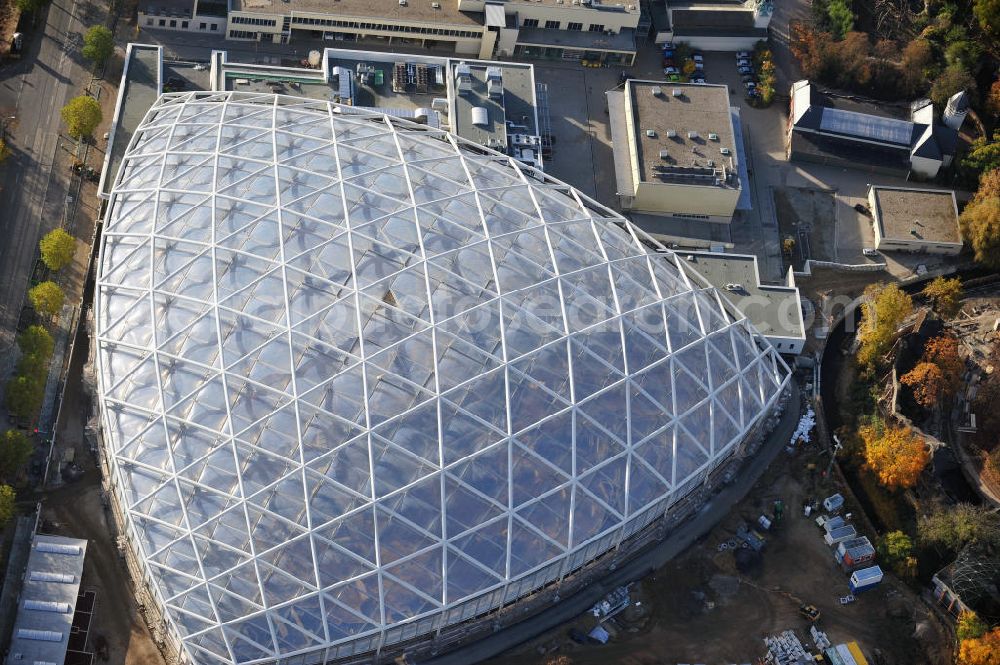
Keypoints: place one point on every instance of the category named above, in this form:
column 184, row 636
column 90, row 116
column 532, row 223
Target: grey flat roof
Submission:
column 49, row 646
column 420, row 11
column 179, row 8
column 687, row 232
column 931, row 213
column 622, row 42
column 775, row 310
column 140, row 88
column 703, row 109
column 517, row 105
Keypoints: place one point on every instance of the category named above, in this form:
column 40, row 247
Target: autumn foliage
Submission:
column 938, row 375
column 981, row 651
column 926, row 383
column 897, row 455
column 885, row 307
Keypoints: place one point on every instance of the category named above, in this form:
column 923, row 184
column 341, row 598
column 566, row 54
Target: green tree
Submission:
column 895, row 547
column 841, row 18
column 36, row 340
column 988, row 14
column 953, row 527
column 47, row 298
column 31, row 5
column 945, row 296
column 36, row 350
column 965, row 54
column 58, row 249
column 984, row 154
column 24, row 396
column 980, row 223
column 15, row 451
column 953, row 79
column 98, row 44
column 4, row 151
column 82, row 115
column 884, row 308
column 970, row 627
column 7, row 497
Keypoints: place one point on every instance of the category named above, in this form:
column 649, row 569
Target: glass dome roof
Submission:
column 355, row 373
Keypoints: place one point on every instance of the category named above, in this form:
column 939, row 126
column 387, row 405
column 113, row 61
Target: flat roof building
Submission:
column 915, row 220
column 774, row 309
column 47, row 602
column 830, row 130
column 589, row 30
column 494, row 104
column 675, row 150
column 712, row 25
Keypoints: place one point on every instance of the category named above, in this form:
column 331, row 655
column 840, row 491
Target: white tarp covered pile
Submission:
column 804, row 431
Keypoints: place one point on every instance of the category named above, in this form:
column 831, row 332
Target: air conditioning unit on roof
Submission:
column 671, row 134
column 724, row 151
column 713, row 137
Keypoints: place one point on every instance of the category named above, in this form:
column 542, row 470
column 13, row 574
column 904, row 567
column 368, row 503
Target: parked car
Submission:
column 670, row 70
column 745, row 70
column 742, row 55
column 697, row 79
column 744, row 63
column 669, row 62
column 697, row 57
column 748, row 78
column 700, row 66
column 200, row 67
column 870, row 252
column 674, row 78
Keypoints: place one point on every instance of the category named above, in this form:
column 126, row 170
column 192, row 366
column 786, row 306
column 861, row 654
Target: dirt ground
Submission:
column 9, row 16
column 809, row 216
column 702, row 609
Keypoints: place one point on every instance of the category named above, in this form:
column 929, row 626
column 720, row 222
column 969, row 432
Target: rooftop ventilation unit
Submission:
column 671, row 134
column 713, row 137
column 664, row 154
column 725, row 151
column 676, row 92
column 48, row 606
column 656, row 90
column 46, row 576
column 480, row 116
column 710, row 163
column 39, row 635
column 402, row 3
column 435, row 5
column 692, row 134
column 651, row 133
column 58, row 548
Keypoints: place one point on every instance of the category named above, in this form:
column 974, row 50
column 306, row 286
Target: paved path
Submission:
column 678, row 541
column 33, row 195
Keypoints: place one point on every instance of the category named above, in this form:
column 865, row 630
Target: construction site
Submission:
column 747, row 593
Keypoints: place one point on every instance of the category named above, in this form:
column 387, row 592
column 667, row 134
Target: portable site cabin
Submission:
column 866, row 578
column 846, row 654
column 854, row 552
column 833, row 503
column 833, row 523
column 840, row 534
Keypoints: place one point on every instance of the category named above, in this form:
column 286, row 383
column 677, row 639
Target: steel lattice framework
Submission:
column 360, row 379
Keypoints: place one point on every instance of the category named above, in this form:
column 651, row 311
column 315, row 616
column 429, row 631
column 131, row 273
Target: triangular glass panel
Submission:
column 590, row 518
column 487, row 545
column 550, row 515
column 531, row 477
column 354, row 533
column 528, row 549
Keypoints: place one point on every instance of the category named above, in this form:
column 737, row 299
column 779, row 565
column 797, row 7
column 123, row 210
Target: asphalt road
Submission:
column 33, row 194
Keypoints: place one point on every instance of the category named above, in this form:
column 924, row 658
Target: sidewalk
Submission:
column 678, row 541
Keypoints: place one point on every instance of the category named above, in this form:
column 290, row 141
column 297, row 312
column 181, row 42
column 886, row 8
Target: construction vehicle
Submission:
column 810, row 612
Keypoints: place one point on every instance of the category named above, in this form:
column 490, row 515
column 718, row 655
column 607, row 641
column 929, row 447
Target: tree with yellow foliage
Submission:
column 885, row 307
column 969, row 626
column 945, row 296
column 897, row 455
column 943, row 352
column 984, row 650
column 926, row 383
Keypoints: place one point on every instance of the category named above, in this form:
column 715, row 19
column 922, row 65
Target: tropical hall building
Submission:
column 362, row 382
